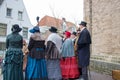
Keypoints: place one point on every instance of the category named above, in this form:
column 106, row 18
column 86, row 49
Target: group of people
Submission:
column 56, row 58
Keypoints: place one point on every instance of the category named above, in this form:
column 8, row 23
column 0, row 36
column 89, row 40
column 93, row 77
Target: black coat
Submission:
column 84, row 42
column 36, row 48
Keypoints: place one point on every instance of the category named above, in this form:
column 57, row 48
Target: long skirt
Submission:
column 36, row 69
column 53, row 68
column 12, row 69
column 69, row 67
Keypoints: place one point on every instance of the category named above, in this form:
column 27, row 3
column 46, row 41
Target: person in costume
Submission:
column 14, row 55
column 25, row 53
column 36, row 63
column 83, row 44
column 54, row 43
column 68, row 63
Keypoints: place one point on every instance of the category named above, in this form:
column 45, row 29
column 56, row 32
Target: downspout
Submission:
column 90, row 17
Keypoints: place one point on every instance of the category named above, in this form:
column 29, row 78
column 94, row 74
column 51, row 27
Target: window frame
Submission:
column 9, row 12
column 3, row 29
column 25, row 32
column 20, row 15
column 2, row 46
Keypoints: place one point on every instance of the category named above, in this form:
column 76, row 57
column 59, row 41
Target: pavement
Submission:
column 98, row 76
column 94, row 76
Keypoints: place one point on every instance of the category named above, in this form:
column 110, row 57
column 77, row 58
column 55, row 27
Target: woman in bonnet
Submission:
column 68, row 63
column 36, row 63
column 14, row 55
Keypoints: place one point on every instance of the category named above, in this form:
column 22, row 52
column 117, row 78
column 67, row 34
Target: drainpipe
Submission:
column 90, row 18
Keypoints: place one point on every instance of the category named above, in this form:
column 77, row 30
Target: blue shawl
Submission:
column 67, row 49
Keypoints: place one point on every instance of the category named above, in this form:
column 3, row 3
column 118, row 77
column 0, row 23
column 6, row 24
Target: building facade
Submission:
column 103, row 17
column 13, row 12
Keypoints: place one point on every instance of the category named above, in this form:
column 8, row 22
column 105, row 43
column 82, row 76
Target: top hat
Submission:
column 16, row 28
column 83, row 23
column 53, row 29
column 35, row 29
column 74, row 33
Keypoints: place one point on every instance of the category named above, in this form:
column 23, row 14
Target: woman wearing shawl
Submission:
column 69, row 66
column 54, row 42
column 36, row 64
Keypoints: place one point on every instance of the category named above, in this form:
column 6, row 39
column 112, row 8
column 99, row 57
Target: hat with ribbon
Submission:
column 53, row 29
column 35, row 29
column 83, row 23
column 16, row 28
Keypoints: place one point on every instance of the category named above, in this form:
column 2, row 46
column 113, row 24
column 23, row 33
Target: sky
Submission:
column 72, row 10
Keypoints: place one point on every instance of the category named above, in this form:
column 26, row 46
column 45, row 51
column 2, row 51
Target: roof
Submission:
column 52, row 21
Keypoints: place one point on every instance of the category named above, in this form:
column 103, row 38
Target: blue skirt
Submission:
column 36, row 69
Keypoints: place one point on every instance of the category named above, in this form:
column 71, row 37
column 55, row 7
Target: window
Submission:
column 9, row 12
column 3, row 29
column 25, row 32
column 2, row 46
column 20, row 15
column 64, row 26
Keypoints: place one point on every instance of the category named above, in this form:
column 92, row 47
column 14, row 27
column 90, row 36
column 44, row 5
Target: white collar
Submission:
column 82, row 29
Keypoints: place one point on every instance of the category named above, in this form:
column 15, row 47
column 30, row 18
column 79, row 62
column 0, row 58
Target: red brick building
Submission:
column 52, row 21
column 47, row 21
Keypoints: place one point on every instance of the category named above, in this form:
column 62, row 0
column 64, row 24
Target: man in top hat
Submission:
column 83, row 43
column 73, row 36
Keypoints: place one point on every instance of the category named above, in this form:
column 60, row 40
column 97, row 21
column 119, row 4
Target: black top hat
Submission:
column 16, row 28
column 83, row 23
column 53, row 29
column 74, row 33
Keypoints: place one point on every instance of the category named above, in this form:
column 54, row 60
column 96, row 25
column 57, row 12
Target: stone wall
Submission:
column 103, row 66
column 105, row 63
column 103, row 17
